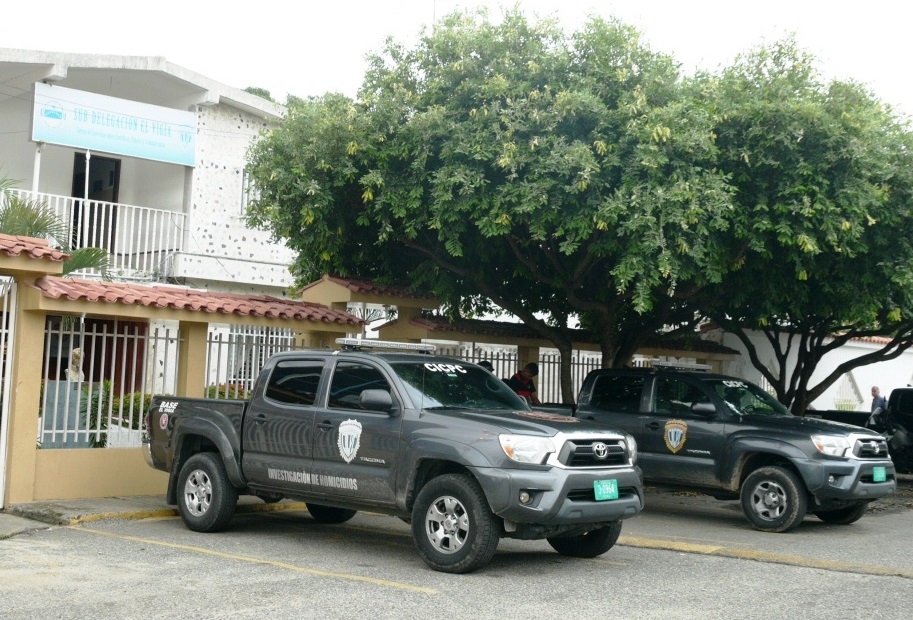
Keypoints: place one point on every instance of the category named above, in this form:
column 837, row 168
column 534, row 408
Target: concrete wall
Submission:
column 77, row 474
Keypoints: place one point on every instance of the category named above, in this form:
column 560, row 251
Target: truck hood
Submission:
column 803, row 425
column 529, row 422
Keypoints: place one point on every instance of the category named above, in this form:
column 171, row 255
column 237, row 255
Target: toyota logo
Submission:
column 600, row 450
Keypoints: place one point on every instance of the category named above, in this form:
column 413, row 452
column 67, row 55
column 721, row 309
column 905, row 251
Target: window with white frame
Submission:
column 249, row 191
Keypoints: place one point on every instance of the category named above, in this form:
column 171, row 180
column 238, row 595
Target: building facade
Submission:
column 142, row 158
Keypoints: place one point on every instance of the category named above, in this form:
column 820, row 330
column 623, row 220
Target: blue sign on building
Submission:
column 105, row 124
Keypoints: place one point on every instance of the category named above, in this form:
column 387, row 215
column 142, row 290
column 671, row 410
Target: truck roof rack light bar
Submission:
column 357, row 344
column 680, row 366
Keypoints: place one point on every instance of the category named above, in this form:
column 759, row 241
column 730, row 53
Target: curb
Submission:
column 51, row 515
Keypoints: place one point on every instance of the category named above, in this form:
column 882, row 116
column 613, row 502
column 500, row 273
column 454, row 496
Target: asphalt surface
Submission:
column 674, row 520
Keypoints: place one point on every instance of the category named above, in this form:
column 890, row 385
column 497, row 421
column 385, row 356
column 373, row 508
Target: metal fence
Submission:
column 237, row 354
column 99, row 377
column 98, row 381
column 506, row 364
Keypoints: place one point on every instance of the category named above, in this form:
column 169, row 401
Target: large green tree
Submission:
column 514, row 164
column 822, row 174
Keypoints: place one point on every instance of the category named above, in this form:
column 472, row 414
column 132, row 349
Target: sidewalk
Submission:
column 21, row 518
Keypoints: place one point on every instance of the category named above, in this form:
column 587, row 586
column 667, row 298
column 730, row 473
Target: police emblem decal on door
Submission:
column 349, row 439
column 675, row 435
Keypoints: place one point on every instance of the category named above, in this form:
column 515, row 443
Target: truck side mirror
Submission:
column 376, row 400
column 704, row 409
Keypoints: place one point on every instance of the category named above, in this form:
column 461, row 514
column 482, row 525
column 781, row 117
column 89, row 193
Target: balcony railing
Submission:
column 139, row 240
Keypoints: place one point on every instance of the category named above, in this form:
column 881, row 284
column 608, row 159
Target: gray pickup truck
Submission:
column 437, row 442
column 732, row 440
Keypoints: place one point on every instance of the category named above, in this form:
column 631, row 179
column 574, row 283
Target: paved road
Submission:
column 685, row 557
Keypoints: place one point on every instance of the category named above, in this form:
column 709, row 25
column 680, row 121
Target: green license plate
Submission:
column 606, row 489
column 878, row 474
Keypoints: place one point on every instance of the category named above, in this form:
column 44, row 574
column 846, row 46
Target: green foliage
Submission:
column 93, row 408
column 31, row 218
column 134, row 404
column 506, row 163
column 820, row 232
column 227, row 390
column 27, row 218
column 260, row 92
column 512, row 165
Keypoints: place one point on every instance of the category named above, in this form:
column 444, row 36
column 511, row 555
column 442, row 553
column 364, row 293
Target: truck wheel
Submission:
column 454, row 529
column 329, row 514
column 207, row 498
column 590, row 545
column 773, row 499
column 843, row 516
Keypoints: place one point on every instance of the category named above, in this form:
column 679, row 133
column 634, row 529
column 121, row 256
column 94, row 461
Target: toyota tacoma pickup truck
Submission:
column 732, row 440
column 387, row 427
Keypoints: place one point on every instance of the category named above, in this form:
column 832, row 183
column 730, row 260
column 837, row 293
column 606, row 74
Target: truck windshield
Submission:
column 746, row 398
column 456, row 385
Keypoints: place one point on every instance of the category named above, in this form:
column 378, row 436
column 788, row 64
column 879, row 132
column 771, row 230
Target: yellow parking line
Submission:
column 230, row 556
column 763, row 556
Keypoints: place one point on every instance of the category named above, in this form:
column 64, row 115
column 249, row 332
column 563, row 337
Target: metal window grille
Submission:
column 236, row 354
column 849, row 396
column 249, row 191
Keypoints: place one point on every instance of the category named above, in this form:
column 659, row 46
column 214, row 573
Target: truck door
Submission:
column 278, row 433
column 616, row 400
column 677, row 443
column 355, row 447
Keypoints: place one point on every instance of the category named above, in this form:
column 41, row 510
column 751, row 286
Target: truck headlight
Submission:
column 831, row 445
column 526, row 448
column 632, row 448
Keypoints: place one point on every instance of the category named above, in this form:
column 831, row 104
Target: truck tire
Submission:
column 774, row 499
column 590, row 545
column 454, row 529
column 329, row 514
column 206, row 498
column 843, row 516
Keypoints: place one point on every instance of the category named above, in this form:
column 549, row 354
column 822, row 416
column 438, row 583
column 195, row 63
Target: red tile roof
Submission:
column 369, row 288
column 16, row 245
column 194, row 300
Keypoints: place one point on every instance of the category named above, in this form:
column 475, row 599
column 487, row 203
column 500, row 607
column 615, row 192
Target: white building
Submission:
column 145, row 159
column 851, row 392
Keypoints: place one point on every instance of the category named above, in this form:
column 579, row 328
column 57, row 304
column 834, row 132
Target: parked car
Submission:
column 438, row 442
column 729, row 438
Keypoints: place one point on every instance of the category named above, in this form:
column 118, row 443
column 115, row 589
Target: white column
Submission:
column 36, row 168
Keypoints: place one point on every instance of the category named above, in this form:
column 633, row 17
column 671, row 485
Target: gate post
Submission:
column 191, row 377
column 25, row 407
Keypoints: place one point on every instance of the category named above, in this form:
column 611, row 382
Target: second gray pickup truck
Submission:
column 732, row 440
column 437, row 442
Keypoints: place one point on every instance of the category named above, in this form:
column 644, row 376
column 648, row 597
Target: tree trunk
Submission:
column 568, row 396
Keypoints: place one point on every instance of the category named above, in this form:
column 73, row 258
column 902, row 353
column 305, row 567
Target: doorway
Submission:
column 95, row 223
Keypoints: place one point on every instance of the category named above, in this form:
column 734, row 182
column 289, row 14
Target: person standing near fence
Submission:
column 878, row 400
column 522, row 383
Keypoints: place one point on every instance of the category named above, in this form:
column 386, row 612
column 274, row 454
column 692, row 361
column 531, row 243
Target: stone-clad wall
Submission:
column 219, row 245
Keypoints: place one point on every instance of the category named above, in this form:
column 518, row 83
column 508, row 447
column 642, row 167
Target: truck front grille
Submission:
column 870, row 448
column 594, row 452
